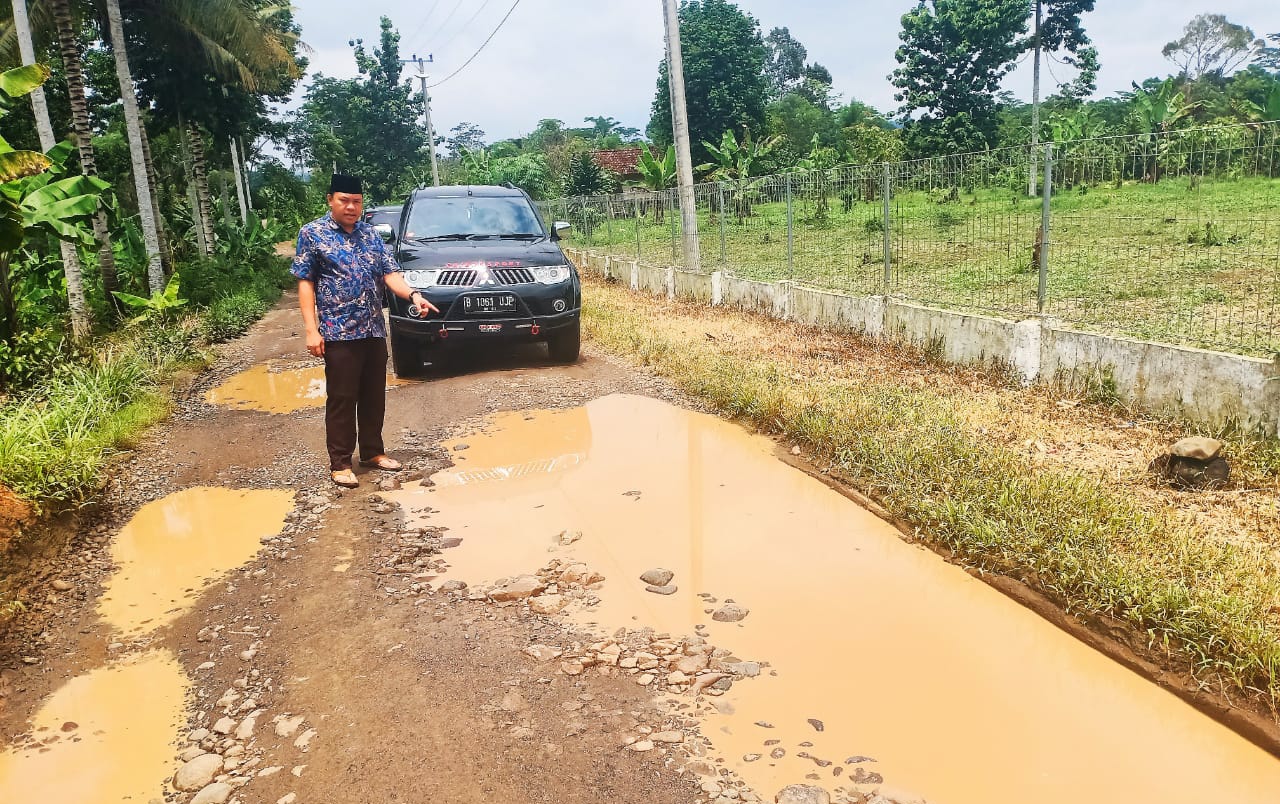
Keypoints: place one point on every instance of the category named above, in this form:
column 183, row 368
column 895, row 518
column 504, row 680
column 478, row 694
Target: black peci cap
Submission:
column 342, row 183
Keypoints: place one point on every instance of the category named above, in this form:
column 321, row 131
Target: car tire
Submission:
column 565, row 344
column 406, row 356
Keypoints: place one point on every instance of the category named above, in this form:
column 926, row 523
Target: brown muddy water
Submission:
column 172, row 547
column 269, row 388
column 109, row 734
column 105, row 736
column 958, row 694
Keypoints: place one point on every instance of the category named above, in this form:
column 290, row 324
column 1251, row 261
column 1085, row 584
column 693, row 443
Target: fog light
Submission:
column 559, row 305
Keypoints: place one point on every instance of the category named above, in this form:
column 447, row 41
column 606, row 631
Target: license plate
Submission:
column 489, row 303
column 490, row 327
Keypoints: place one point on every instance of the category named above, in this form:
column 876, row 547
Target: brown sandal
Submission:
column 345, row 478
column 383, row 462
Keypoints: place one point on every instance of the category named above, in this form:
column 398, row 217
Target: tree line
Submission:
column 135, row 121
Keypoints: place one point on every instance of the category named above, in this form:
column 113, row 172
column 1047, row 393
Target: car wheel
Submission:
column 406, row 356
column 564, row 344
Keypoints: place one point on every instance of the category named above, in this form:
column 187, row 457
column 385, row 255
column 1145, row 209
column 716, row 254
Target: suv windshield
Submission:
column 472, row 217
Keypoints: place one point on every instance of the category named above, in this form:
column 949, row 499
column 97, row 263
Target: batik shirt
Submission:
column 348, row 272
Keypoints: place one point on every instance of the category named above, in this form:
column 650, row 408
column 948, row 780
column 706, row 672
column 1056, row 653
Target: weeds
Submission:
column 56, row 440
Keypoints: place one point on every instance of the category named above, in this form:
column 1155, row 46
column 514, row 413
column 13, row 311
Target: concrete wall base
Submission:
column 1212, row 388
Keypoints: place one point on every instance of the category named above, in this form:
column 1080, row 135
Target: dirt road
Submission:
column 236, row 628
column 408, row 696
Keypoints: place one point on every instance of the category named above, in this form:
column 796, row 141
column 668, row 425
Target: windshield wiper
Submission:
column 453, row 236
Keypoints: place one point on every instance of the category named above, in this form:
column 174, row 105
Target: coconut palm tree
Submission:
column 133, row 127
column 73, row 68
column 81, row 323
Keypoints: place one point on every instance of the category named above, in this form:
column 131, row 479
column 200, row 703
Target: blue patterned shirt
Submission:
column 348, row 271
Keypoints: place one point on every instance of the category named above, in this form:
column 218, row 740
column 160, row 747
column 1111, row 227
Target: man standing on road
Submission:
column 342, row 267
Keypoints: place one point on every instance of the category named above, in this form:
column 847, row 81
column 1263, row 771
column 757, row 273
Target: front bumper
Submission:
column 533, row 318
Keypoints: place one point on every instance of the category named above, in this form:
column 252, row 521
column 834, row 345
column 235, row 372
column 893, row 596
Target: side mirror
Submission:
column 384, row 231
column 559, row 228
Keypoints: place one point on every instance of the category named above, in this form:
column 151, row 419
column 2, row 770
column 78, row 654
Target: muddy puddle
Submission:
column 174, row 546
column 272, row 388
column 103, row 736
column 881, row 658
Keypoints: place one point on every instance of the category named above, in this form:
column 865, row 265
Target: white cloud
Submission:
column 572, row 58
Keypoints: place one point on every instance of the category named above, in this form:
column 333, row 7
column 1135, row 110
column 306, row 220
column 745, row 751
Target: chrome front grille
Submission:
column 464, row 278
column 513, row 276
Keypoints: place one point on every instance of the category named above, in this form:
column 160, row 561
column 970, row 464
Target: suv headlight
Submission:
column 421, row 279
column 551, row 274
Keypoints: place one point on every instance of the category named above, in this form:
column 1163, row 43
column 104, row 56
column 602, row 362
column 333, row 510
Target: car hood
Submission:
column 494, row 253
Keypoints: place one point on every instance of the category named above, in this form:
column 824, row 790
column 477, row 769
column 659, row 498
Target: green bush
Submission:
column 231, row 316
column 28, row 357
column 207, row 280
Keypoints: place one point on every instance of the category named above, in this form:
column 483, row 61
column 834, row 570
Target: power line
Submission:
column 482, row 46
column 442, row 25
column 423, row 24
column 467, row 24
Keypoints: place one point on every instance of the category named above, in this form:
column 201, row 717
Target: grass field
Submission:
column 1186, row 260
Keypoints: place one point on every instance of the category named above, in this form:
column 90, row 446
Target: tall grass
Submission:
column 1070, row 535
column 56, row 439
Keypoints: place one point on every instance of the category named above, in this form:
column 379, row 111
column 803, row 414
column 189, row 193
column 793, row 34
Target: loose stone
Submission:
column 802, row 794
column 657, row 576
column 224, row 725
column 730, row 613
column 197, row 773
column 668, row 589
column 216, row 793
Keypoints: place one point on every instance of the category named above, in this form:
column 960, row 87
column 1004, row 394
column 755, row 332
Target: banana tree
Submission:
column 734, row 164
column 657, row 175
column 1156, row 113
column 43, row 202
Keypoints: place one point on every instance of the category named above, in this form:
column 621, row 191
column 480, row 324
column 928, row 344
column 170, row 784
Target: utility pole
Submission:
column 426, row 111
column 1035, row 104
column 680, row 129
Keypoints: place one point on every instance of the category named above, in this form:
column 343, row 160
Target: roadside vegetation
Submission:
column 1045, row 488
column 132, row 232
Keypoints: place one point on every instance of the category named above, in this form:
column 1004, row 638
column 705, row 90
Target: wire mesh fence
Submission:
column 1172, row 236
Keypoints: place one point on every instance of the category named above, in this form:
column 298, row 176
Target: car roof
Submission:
column 385, row 209
column 464, row 190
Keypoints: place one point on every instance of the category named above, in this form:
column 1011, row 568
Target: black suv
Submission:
column 387, row 215
column 482, row 256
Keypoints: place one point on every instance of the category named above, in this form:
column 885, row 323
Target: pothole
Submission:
column 174, row 546
column 272, row 388
column 884, row 667
column 104, row 736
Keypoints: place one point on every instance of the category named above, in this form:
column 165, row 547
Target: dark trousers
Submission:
column 355, row 374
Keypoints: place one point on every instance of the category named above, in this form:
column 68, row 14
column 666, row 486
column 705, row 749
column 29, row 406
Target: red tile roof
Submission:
column 622, row 161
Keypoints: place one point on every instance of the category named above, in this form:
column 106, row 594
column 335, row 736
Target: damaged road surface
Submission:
column 579, row 591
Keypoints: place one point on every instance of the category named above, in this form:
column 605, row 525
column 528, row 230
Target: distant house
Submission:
column 621, row 162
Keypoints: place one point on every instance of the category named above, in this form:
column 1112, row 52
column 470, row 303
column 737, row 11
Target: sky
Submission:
column 569, row 59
